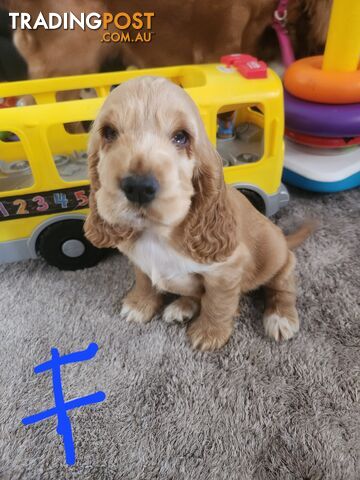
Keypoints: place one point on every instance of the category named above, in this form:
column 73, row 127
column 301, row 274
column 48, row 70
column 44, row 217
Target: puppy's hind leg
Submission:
column 281, row 319
column 143, row 301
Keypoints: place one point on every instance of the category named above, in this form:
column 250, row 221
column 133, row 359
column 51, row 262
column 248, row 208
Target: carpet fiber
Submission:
column 254, row 410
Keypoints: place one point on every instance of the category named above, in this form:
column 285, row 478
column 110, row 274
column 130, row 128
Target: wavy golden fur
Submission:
column 208, row 237
column 198, row 237
column 99, row 232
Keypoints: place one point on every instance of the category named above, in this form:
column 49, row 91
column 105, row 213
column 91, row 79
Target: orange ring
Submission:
column 306, row 80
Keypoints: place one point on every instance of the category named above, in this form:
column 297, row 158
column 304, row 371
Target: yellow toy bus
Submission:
column 43, row 166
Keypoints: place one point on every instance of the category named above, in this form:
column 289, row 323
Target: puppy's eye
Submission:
column 109, row 133
column 181, row 138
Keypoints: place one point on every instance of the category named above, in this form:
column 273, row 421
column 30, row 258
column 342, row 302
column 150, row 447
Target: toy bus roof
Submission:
column 213, row 86
column 209, row 85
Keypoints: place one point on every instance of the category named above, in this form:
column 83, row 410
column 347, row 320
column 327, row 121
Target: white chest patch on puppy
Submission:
column 155, row 257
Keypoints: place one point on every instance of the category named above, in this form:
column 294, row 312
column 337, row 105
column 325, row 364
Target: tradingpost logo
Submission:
column 121, row 27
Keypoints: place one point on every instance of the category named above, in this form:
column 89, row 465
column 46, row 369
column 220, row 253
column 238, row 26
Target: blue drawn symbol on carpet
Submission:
column 61, row 407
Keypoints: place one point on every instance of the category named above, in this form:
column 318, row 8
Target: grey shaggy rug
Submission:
column 254, row 410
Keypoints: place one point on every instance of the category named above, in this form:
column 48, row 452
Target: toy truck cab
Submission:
column 43, row 165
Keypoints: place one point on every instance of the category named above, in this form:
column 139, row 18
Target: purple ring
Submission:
column 321, row 120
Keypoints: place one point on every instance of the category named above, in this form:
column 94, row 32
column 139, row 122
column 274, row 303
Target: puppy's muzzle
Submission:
column 141, row 189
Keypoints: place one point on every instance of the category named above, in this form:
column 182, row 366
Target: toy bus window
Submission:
column 78, row 127
column 84, row 93
column 15, row 171
column 22, row 101
column 69, row 152
column 240, row 134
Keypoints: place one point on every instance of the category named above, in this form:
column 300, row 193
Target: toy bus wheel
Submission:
column 64, row 246
column 255, row 199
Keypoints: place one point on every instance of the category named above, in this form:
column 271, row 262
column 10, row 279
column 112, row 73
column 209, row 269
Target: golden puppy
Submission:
column 159, row 196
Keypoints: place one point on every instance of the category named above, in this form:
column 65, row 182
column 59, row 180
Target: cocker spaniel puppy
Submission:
column 159, row 196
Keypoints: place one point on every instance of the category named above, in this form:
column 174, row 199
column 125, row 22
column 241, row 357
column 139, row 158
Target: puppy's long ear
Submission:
column 308, row 23
column 318, row 12
column 99, row 232
column 209, row 232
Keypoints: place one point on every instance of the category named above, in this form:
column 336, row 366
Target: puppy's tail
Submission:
column 297, row 238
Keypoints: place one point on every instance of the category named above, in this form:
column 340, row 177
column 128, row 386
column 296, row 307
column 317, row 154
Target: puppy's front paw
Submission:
column 131, row 314
column 207, row 337
column 140, row 311
column 280, row 328
column 181, row 310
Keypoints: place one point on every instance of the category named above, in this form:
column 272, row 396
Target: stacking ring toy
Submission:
column 322, row 142
column 325, row 109
column 335, row 77
column 306, row 79
column 322, row 120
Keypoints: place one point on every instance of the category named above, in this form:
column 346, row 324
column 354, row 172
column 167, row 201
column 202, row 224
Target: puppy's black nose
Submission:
column 140, row 188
